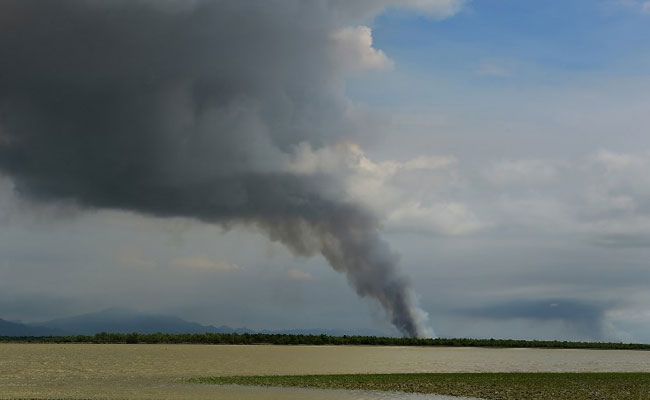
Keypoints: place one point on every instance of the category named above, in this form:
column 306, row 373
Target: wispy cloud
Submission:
column 133, row 258
column 204, row 264
column 298, row 275
column 641, row 6
column 495, row 68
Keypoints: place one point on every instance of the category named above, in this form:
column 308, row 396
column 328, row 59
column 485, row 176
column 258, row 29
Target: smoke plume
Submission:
column 195, row 109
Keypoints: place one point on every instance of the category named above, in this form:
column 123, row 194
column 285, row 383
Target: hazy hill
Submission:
column 117, row 320
column 124, row 321
column 18, row 329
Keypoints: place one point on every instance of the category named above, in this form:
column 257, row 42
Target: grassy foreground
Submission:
column 494, row 386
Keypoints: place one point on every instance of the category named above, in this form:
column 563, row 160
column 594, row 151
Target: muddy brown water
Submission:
column 159, row 371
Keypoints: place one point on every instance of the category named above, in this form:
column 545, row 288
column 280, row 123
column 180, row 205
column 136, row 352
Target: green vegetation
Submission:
column 493, row 386
column 246, row 338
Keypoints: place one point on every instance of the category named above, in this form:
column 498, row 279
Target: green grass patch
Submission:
column 494, row 386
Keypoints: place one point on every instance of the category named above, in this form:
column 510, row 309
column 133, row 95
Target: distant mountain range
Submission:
column 17, row 329
column 125, row 321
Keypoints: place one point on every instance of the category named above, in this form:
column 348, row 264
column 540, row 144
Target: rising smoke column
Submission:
column 194, row 109
column 348, row 239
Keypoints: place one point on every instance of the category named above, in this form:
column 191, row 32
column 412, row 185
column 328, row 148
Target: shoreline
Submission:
column 317, row 340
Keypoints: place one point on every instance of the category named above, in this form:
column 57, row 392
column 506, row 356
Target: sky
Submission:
column 468, row 168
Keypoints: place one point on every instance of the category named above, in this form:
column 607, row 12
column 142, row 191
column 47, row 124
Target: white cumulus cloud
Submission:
column 354, row 50
column 407, row 195
column 434, row 8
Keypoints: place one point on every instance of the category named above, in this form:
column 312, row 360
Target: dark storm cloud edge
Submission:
column 586, row 319
column 174, row 110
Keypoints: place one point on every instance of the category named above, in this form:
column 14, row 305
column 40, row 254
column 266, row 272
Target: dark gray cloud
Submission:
column 585, row 318
column 193, row 109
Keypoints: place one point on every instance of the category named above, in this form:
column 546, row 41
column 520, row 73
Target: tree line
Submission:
column 316, row 340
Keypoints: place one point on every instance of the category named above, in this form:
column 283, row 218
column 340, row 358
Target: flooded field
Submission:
column 159, row 371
